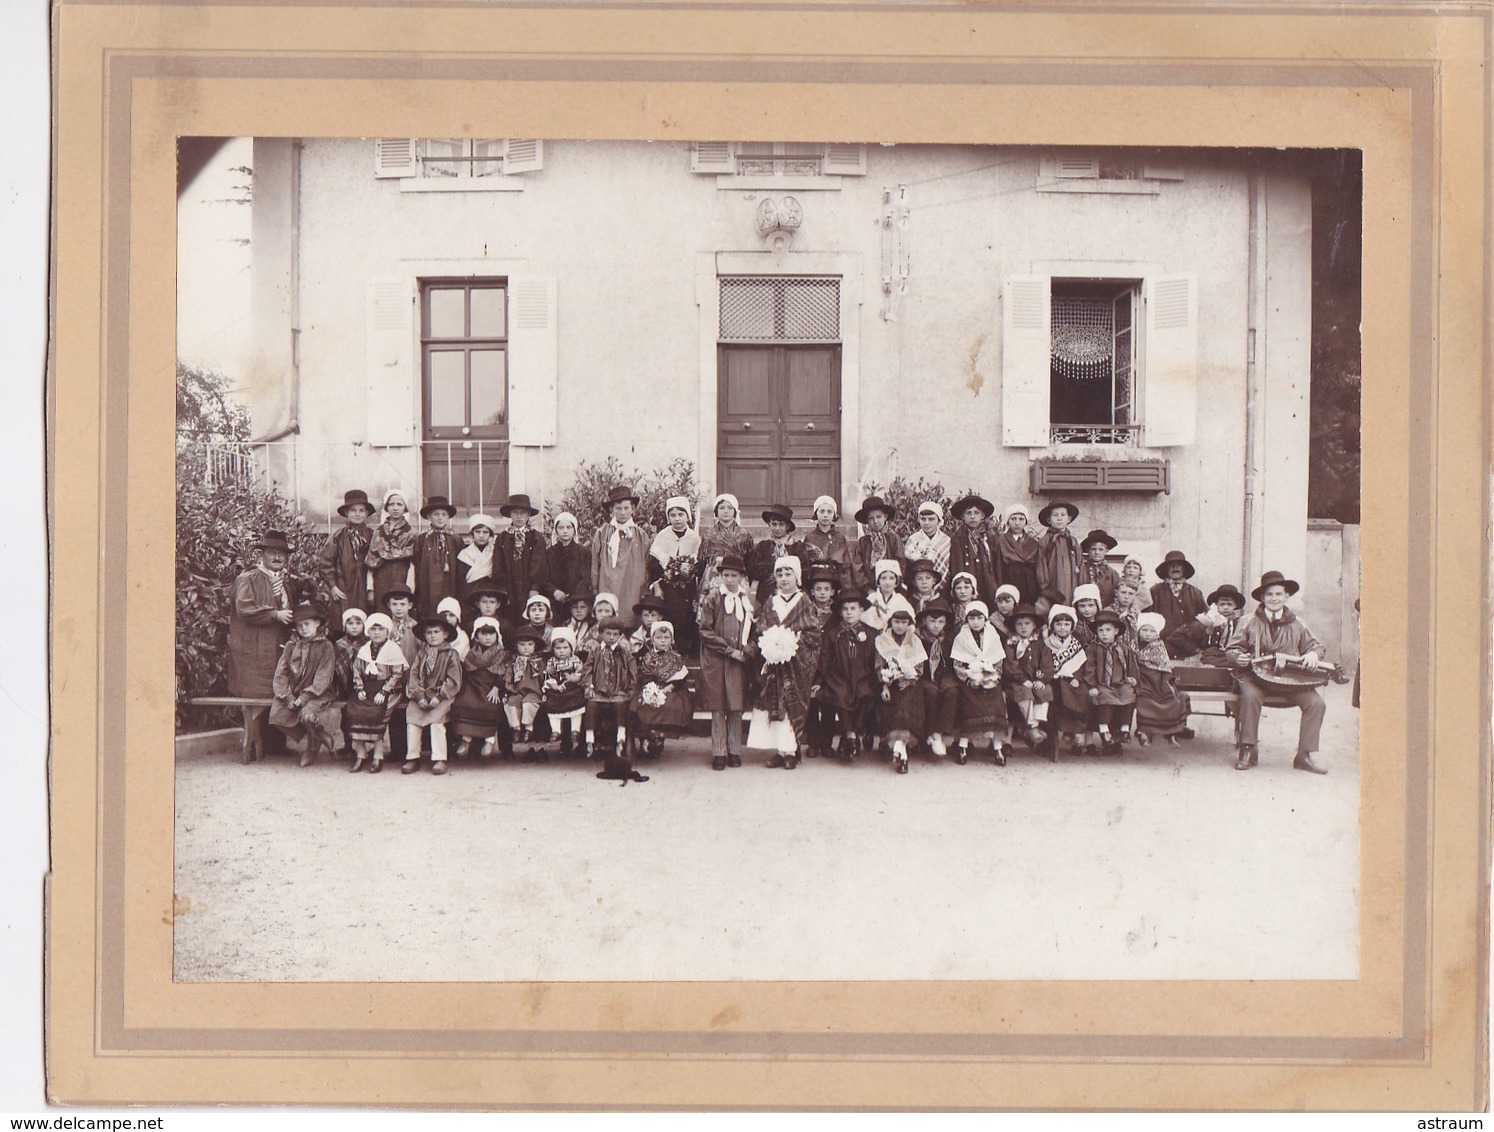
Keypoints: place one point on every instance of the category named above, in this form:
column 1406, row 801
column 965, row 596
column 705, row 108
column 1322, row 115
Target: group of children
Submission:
column 823, row 645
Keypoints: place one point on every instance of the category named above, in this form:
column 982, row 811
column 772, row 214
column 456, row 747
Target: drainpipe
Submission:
column 1255, row 305
column 293, row 425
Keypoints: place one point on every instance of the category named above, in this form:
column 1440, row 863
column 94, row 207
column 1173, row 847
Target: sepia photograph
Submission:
column 758, row 560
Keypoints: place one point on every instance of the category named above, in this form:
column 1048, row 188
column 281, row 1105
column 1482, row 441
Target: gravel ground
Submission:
column 1164, row 863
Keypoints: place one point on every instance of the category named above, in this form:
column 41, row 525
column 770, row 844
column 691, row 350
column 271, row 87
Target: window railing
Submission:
column 1094, row 434
column 767, row 165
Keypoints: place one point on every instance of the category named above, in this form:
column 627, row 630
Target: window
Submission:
column 1092, row 344
column 778, row 165
column 1105, row 171
column 464, row 352
column 457, row 164
column 1099, row 361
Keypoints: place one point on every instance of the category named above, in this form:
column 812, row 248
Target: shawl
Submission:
column 935, row 549
column 783, row 606
column 389, row 656
column 556, row 671
column 983, row 658
column 661, row 667
column 442, row 541
column 668, row 545
column 1011, row 549
column 1065, row 653
column 1154, row 656
column 488, row 659
column 392, row 540
column 905, row 659
column 478, row 560
column 431, row 674
column 724, row 538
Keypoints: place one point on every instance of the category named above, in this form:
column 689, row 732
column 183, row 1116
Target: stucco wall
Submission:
column 621, row 227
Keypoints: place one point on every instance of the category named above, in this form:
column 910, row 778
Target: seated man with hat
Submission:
column 1175, row 598
column 258, row 625
column 1273, row 630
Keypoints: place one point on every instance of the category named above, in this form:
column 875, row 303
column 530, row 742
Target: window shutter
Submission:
column 523, row 155
column 712, row 157
column 846, row 160
column 392, row 405
column 1153, row 171
column 395, row 157
column 533, row 360
column 1170, row 365
column 1026, row 360
column 1069, row 168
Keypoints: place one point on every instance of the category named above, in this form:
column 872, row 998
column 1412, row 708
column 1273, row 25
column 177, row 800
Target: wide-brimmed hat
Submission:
column 1107, row 617
column 1171, row 557
column 397, row 591
column 938, row 607
column 927, row 566
column 733, row 562
column 426, row 623
column 488, row 589
column 273, row 540
column 960, row 506
column 873, row 503
column 1274, row 578
column 1228, row 591
column 617, row 495
column 1025, row 610
column 849, row 594
column 1047, row 512
column 583, row 594
column 527, row 632
column 611, row 623
column 780, row 511
column 821, row 572
column 649, row 602
column 1098, row 536
column 349, row 498
column 514, row 503
column 437, row 503
column 308, row 612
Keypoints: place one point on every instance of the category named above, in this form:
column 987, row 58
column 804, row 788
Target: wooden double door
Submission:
column 778, row 426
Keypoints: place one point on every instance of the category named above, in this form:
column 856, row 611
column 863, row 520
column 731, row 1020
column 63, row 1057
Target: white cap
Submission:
column 825, row 501
column 450, row 603
column 487, row 623
column 1155, row 620
column 379, row 619
column 1063, row 611
column 1087, row 592
column 1011, row 591
column 885, row 565
column 678, row 501
column 793, row 563
column 977, row 606
column 482, row 520
column 346, row 613
column 929, row 506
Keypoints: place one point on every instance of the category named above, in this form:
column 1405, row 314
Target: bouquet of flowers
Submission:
column 778, row 644
column 984, row 675
column 653, row 695
column 679, row 571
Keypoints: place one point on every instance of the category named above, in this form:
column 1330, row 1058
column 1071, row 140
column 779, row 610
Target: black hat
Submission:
column 1025, row 610
column 437, row 503
column 937, row 607
column 308, row 612
column 649, row 602
column 960, row 506
column 780, row 511
column 583, row 594
column 611, row 623
column 273, row 540
column 733, row 562
column 488, row 589
column 1047, row 511
column 821, row 572
column 528, row 632
column 1106, row 617
column 1100, row 537
column 927, row 566
column 617, row 495
column 517, row 501
column 1228, row 590
column 1171, row 557
column 440, row 622
column 397, row 591
column 1274, row 578
column 355, row 496
column 870, row 504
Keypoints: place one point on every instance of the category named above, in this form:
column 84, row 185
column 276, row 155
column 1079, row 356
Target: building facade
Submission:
column 471, row 318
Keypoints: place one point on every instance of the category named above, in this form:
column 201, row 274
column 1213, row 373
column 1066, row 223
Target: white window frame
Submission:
column 837, row 160
column 1079, row 171
column 405, row 159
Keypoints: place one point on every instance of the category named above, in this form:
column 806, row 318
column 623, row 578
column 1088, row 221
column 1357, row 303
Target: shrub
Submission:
column 906, row 497
column 216, row 528
column 587, row 493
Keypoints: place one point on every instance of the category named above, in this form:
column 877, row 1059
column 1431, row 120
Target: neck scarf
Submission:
column 985, row 652
column 904, row 656
column 783, row 606
column 737, row 604
column 935, row 649
column 1154, row 656
column 479, row 561
column 668, row 545
column 1067, row 652
column 277, row 583
column 1175, row 585
column 1015, row 549
column 616, row 532
column 1112, row 662
column 879, row 545
column 487, row 657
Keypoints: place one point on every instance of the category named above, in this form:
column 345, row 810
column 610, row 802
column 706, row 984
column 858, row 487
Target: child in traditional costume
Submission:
column 726, row 620
column 611, row 673
column 342, row 562
column 825, row 544
column 941, row 688
column 475, row 560
column 1207, row 635
column 901, row 662
column 567, row 561
column 778, row 722
column 1087, row 604
column 391, row 547
column 971, row 548
column 662, row 704
column 378, row 692
column 962, row 591
column 1017, row 555
column 523, row 678
column 450, row 609
column 477, row 713
column 878, row 542
column 1029, row 675
column 761, row 563
column 673, row 570
column 925, row 578
column 304, row 704
column 1110, row 678
column 723, row 538
column 1161, row 710
column 619, row 553
column 519, row 564
column 1069, row 714
column 979, row 657
column 929, row 541
column 436, row 553
column 1060, row 554
column 889, row 579
column 435, row 679
column 1005, row 603
column 563, row 694
column 845, row 681
column 649, row 612
column 1094, row 570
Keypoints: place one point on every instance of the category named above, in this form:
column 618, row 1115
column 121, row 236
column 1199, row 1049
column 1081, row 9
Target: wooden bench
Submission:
column 256, row 711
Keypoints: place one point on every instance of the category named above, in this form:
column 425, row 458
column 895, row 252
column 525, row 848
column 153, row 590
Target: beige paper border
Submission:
column 1402, row 83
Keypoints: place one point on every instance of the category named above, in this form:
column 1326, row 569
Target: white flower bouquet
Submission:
column 984, row 675
column 778, row 644
column 653, row 695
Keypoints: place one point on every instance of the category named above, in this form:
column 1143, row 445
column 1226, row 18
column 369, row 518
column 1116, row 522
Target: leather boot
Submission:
column 1303, row 761
column 1248, row 757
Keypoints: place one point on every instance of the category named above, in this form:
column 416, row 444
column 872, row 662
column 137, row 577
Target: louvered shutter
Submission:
column 523, row 155
column 1026, row 360
column 391, row 401
column 1170, row 365
column 533, row 360
column 395, row 157
column 712, row 157
column 846, row 160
